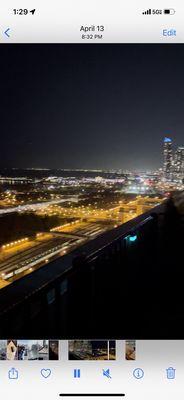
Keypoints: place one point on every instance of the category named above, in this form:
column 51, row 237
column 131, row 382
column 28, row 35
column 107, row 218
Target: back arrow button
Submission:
column 6, row 32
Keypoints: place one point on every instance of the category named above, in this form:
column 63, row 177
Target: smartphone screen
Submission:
column 91, row 199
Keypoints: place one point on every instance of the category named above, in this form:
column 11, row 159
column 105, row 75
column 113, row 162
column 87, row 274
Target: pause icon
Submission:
column 76, row 373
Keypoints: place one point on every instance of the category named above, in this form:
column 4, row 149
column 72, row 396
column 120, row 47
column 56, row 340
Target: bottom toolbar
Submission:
column 91, row 368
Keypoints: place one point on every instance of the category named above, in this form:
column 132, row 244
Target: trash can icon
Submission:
column 170, row 373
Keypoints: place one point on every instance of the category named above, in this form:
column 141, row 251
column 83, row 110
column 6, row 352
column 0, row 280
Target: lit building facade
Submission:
column 168, row 158
column 179, row 163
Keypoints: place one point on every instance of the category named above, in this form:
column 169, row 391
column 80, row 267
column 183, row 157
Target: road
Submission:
column 25, row 260
column 84, row 229
column 18, row 261
column 36, row 206
column 28, row 258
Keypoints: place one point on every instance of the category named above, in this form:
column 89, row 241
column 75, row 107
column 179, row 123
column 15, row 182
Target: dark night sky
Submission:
column 90, row 106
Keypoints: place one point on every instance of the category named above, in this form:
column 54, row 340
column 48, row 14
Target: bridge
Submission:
column 128, row 282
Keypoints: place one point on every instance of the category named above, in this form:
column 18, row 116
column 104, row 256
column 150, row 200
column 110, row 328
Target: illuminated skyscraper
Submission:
column 167, row 158
column 179, row 163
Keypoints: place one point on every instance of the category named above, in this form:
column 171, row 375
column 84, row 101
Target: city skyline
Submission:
column 78, row 107
column 172, row 162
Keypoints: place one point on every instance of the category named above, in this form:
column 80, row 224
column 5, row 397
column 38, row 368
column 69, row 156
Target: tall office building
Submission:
column 168, row 158
column 179, row 163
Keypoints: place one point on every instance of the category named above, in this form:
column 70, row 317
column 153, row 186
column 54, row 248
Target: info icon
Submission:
column 138, row 373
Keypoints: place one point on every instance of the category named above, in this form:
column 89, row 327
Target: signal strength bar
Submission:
column 147, row 12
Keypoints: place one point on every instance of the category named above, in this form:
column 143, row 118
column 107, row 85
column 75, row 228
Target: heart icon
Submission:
column 45, row 372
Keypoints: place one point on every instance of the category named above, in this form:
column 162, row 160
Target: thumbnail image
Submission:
column 53, row 350
column 112, row 349
column 12, row 351
column 33, row 350
column 130, row 350
column 3, row 349
column 92, row 350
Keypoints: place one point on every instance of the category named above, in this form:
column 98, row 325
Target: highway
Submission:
column 19, row 261
column 85, row 229
column 60, row 240
column 36, row 206
column 23, row 260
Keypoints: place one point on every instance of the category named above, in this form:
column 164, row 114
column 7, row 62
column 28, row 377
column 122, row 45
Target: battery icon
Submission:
column 169, row 11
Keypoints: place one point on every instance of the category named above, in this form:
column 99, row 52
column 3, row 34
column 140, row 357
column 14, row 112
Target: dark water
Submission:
column 30, row 173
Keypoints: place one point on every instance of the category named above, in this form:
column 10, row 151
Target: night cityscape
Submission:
column 46, row 214
column 83, row 164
